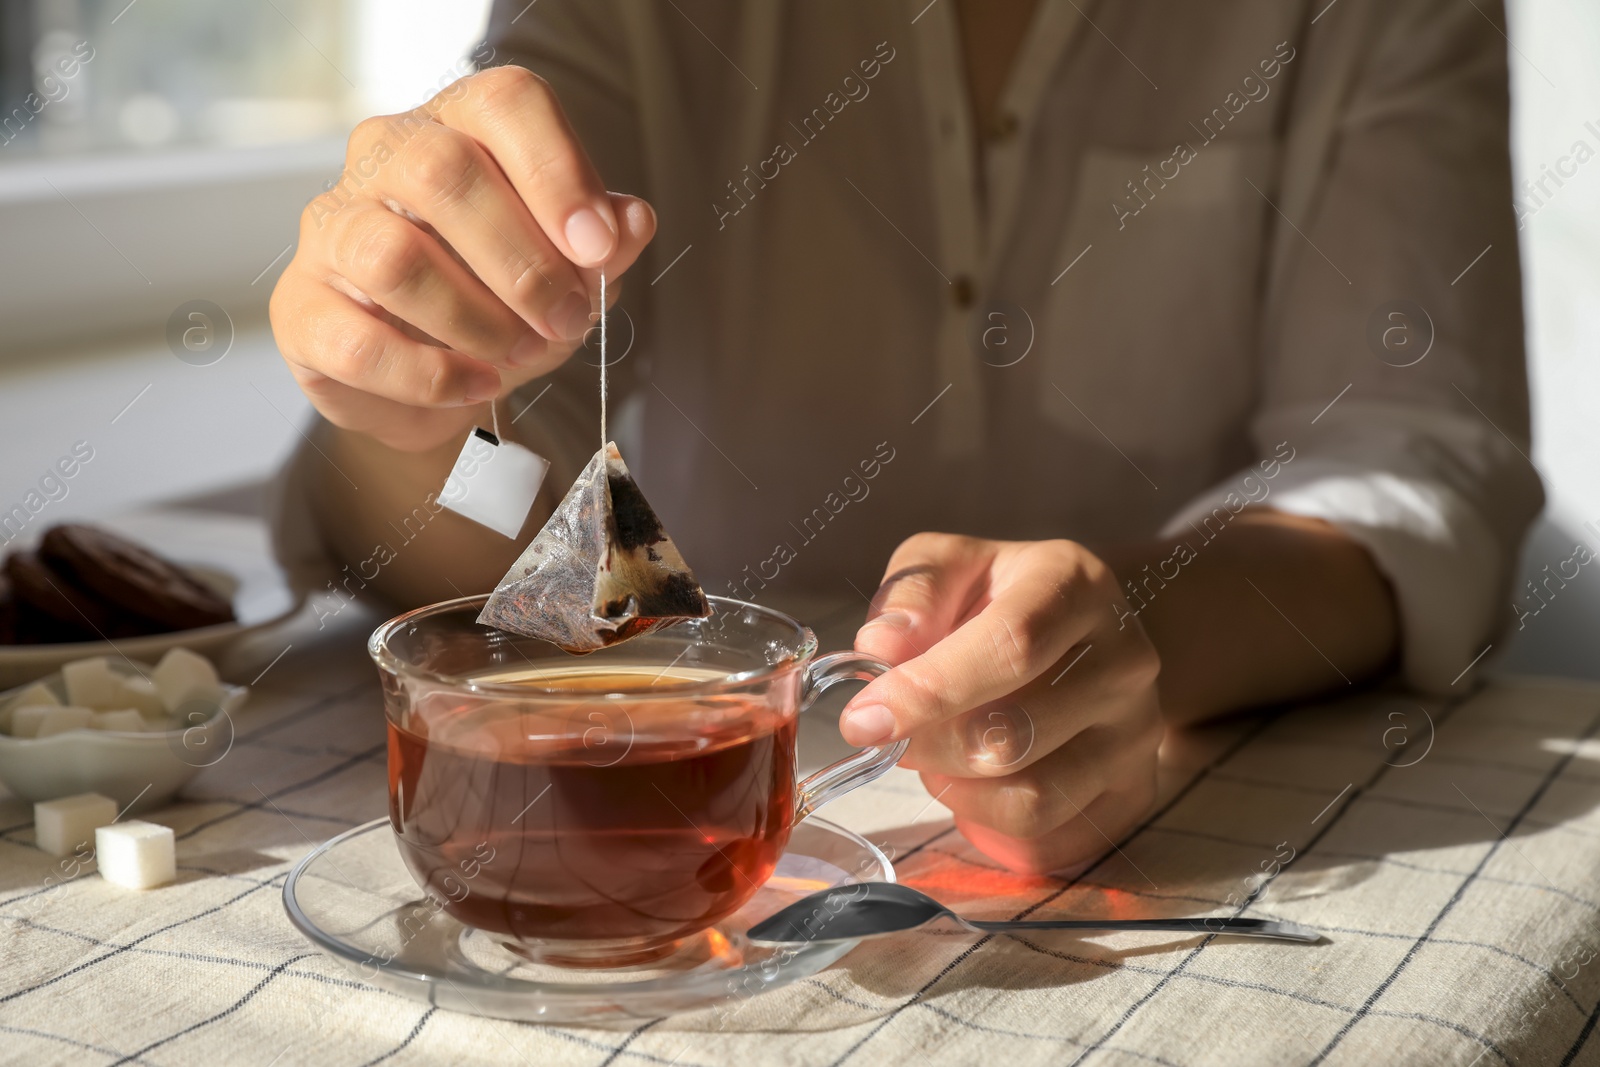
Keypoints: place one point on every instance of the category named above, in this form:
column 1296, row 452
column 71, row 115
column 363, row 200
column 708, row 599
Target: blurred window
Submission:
column 96, row 76
column 154, row 152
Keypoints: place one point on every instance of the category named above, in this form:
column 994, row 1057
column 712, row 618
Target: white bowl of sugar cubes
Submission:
column 124, row 730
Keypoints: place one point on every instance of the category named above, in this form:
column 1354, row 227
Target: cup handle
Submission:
column 839, row 778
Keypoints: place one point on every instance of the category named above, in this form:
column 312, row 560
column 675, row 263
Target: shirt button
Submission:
column 961, row 291
column 1005, row 127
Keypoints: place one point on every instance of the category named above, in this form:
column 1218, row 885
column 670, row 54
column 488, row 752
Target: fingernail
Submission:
column 591, row 238
column 483, row 387
column 898, row 621
column 570, row 318
column 528, row 351
column 871, row 724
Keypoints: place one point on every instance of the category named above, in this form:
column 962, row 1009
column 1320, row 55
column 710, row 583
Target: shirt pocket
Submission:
column 1150, row 339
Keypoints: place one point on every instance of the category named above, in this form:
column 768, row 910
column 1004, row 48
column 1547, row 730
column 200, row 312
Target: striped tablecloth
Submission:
column 1449, row 850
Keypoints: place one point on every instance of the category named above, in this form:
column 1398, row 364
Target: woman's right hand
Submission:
column 457, row 258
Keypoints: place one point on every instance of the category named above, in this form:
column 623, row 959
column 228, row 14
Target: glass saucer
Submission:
column 354, row 898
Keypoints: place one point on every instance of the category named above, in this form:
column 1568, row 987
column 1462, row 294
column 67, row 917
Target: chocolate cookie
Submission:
column 8, row 612
column 132, row 578
column 52, row 606
column 34, row 627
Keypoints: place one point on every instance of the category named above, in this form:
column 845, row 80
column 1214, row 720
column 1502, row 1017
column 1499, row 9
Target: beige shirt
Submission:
column 1165, row 288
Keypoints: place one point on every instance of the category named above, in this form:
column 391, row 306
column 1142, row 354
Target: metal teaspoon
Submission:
column 873, row 909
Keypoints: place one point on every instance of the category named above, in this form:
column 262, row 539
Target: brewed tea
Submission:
column 644, row 825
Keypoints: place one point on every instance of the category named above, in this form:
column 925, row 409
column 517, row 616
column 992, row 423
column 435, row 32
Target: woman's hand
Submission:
column 1032, row 715
column 455, row 259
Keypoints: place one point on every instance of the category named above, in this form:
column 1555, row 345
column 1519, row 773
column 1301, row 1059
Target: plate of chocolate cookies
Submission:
column 83, row 588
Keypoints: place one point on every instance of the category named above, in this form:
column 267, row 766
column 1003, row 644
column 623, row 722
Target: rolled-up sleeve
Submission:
column 1392, row 334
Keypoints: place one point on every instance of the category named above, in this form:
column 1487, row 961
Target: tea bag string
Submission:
column 494, row 405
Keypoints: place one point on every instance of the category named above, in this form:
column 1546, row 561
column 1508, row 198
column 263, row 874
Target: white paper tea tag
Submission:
column 494, row 482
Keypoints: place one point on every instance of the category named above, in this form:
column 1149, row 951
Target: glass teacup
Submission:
column 600, row 810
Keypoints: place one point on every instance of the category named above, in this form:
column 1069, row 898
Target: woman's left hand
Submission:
column 1031, row 707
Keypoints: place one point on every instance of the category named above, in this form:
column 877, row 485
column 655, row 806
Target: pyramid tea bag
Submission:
column 601, row 571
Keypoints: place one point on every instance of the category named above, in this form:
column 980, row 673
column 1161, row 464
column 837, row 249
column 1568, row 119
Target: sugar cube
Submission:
column 35, row 694
column 127, row 720
column 61, row 825
column 184, row 678
column 60, row 720
column 42, row 720
column 138, row 692
column 25, row 720
column 135, row 854
column 90, row 683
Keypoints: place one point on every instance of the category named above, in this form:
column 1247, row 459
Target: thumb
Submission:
column 636, row 221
